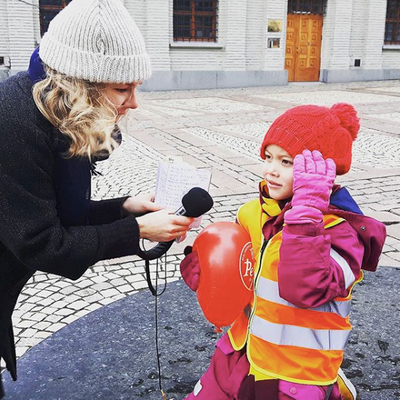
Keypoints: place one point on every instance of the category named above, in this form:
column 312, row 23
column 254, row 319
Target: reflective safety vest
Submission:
column 284, row 341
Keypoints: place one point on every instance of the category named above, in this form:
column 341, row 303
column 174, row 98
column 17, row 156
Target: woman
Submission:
column 56, row 121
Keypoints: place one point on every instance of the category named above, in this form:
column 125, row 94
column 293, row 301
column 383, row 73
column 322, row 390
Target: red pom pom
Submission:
column 348, row 118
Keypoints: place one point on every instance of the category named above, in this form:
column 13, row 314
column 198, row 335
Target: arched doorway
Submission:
column 304, row 39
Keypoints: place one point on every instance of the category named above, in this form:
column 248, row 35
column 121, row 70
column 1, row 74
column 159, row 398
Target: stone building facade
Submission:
column 198, row 44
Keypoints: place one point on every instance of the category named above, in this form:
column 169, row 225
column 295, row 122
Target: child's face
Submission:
column 278, row 172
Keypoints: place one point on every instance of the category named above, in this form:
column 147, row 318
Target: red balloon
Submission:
column 226, row 271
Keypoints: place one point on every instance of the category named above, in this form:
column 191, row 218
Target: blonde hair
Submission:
column 80, row 110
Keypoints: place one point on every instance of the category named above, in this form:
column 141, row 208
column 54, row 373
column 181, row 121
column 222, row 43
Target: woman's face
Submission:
column 122, row 96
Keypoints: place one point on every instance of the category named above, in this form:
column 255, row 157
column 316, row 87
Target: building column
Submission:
column 274, row 59
column 4, row 42
column 335, row 54
column 374, row 34
column 159, row 33
column 21, row 18
column 235, row 45
column 154, row 20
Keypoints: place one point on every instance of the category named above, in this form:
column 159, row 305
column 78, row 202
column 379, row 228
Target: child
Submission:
column 311, row 241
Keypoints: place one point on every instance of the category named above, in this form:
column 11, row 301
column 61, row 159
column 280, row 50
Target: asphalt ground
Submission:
column 111, row 353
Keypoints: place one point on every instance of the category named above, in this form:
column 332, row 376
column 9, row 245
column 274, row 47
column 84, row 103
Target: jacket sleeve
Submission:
column 106, row 211
column 316, row 264
column 30, row 227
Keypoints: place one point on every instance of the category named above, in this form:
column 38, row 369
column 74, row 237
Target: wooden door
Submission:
column 303, row 47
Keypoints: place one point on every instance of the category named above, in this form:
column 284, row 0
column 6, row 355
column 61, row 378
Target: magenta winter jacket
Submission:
column 319, row 278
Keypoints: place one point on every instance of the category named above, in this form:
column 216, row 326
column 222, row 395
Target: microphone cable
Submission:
column 195, row 203
column 154, row 291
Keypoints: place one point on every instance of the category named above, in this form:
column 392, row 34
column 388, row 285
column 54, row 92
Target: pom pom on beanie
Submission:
column 348, row 118
column 96, row 40
column 329, row 130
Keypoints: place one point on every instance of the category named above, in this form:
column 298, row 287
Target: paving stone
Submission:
column 49, row 310
column 41, row 326
column 110, row 292
column 385, row 217
column 387, row 261
column 28, row 333
column 395, row 255
column 102, row 286
column 65, row 311
column 126, row 289
column 140, row 285
column 79, row 305
column 54, row 318
column 118, row 282
column 57, row 296
column 55, row 327
column 59, row 304
column 70, row 319
column 37, row 316
column 123, row 272
column 25, row 323
column 94, row 307
column 69, row 289
column 106, row 301
column 394, row 231
column 21, row 350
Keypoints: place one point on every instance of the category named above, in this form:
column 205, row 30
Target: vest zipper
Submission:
column 256, row 279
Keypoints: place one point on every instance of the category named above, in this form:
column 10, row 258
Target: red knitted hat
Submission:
column 329, row 130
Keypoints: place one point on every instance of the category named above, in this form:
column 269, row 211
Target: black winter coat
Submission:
column 47, row 220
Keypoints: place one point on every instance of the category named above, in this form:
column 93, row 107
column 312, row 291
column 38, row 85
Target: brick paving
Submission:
column 220, row 130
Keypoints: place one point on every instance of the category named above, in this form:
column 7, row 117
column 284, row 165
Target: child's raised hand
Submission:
column 313, row 179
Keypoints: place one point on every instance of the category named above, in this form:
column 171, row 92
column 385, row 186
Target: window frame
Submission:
column 317, row 7
column 56, row 6
column 396, row 27
column 194, row 14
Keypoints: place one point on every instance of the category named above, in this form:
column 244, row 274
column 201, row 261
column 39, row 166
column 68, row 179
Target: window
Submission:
column 306, row 6
column 195, row 20
column 274, row 43
column 48, row 10
column 392, row 31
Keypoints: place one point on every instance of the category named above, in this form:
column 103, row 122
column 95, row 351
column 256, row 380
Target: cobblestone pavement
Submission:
column 220, row 130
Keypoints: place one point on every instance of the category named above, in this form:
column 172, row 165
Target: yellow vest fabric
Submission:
column 284, row 341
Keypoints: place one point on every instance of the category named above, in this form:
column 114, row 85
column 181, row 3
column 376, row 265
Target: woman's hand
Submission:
column 138, row 205
column 161, row 226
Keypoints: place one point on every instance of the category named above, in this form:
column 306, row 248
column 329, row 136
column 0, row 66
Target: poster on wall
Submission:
column 274, row 25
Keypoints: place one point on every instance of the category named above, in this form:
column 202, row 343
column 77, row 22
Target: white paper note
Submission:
column 174, row 179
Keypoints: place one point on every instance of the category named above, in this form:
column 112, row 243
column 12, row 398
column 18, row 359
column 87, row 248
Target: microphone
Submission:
column 195, row 202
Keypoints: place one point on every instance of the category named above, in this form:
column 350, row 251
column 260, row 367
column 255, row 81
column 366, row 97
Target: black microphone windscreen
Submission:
column 196, row 202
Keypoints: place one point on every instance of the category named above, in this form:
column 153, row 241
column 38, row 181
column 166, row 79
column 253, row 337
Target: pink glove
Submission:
column 313, row 179
column 190, row 269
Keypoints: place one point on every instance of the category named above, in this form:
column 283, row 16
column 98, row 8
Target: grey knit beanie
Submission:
column 96, row 40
